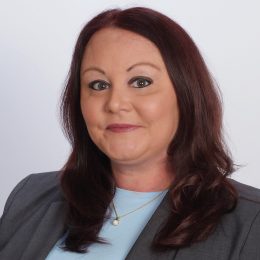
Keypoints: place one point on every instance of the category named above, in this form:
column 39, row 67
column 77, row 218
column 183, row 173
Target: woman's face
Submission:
column 124, row 82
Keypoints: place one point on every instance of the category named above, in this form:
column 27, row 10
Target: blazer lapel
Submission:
column 49, row 230
column 142, row 246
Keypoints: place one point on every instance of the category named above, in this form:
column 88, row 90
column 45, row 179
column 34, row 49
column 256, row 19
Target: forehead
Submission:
column 121, row 47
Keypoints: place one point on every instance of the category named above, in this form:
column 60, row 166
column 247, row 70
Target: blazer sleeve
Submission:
column 251, row 247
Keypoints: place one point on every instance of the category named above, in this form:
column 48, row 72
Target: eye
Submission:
column 98, row 85
column 140, row 82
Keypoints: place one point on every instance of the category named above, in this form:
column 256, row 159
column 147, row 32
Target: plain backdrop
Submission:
column 36, row 44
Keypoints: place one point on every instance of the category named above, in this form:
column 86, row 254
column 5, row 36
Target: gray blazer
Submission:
column 34, row 215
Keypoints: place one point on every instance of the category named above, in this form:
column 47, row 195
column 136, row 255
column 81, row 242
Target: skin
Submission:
column 116, row 57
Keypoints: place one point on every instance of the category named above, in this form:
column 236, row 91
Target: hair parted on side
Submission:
column 198, row 156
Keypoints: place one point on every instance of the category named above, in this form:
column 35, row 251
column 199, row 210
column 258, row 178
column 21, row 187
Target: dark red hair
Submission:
column 198, row 157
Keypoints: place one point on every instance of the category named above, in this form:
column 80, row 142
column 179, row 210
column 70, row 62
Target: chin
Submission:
column 127, row 159
column 124, row 152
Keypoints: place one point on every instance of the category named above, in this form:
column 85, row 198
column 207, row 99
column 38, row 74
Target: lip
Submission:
column 118, row 128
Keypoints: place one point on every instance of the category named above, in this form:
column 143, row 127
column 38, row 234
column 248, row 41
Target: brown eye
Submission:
column 98, row 85
column 141, row 82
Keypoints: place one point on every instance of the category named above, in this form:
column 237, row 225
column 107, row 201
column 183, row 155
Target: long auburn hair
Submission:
column 197, row 155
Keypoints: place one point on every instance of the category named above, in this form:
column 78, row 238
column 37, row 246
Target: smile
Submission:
column 119, row 128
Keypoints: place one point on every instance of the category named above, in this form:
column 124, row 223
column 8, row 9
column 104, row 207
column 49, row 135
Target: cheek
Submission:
column 89, row 110
column 161, row 111
column 91, row 118
column 163, row 122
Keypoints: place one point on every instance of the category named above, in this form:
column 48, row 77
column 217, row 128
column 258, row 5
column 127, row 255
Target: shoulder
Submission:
column 32, row 191
column 237, row 234
column 246, row 192
column 248, row 204
column 36, row 199
column 242, row 225
column 248, row 200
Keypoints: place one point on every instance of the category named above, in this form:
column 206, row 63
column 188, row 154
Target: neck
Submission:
column 142, row 178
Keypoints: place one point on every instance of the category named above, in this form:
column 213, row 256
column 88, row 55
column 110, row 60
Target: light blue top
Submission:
column 122, row 236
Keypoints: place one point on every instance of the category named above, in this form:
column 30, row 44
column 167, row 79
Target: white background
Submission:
column 36, row 44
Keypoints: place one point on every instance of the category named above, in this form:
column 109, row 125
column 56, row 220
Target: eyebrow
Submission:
column 130, row 68
column 144, row 63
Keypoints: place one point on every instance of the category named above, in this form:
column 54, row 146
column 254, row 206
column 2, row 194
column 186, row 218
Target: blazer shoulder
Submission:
column 248, row 203
column 25, row 209
column 247, row 192
column 34, row 190
column 243, row 224
column 247, row 210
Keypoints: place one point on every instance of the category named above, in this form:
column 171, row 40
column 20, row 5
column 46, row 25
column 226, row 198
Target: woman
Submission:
column 147, row 175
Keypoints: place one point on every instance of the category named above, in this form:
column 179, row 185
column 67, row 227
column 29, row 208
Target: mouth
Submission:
column 119, row 128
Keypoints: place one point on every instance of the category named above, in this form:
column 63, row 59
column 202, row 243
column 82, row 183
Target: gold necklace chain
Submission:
column 115, row 222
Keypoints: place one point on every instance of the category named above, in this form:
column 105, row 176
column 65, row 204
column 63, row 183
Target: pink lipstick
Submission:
column 119, row 128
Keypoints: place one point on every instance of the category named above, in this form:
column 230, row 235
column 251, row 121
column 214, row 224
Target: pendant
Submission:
column 115, row 222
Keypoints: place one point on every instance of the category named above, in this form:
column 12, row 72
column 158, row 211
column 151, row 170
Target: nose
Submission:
column 118, row 99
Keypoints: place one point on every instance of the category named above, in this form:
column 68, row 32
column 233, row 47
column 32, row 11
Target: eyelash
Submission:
column 131, row 81
column 92, row 84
